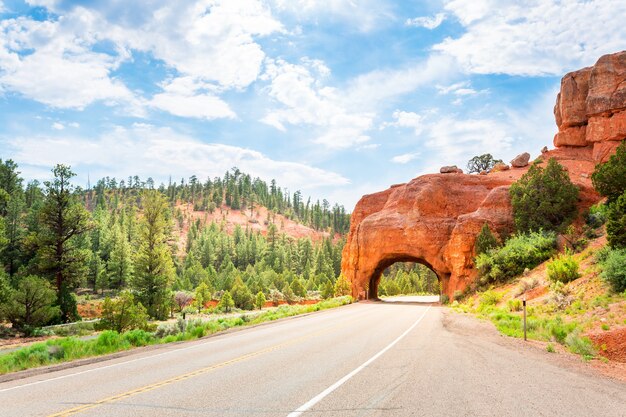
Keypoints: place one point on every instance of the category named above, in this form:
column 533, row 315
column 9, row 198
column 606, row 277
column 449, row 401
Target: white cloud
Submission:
column 406, row 119
column 427, row 21
column 305, row 100
column 405, row 158
column 531, row 37
column 58, row 126
column 365, row 15
column 188, row 98
column 149, row 151
column 46, row 62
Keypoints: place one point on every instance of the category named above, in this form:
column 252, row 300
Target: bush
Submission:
column 597, row 215
column 514, row 304
column 123, row 313
column 226, row 302
column 543, row 199
column 614, row 269
column 31, row 304
column 342, row 286
column 609, row 179
column 616, row 223
column 490, row 298
column 259, row 301
column 563, row 268
column 580, row 345
column 520, row 252
column 485, row 240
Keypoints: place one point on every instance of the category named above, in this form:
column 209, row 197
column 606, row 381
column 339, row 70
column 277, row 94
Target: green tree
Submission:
column 123, row 313
column 616, row 223
column 328, row 290
column 260, row 300
column 242, row 297
column 226, row 302
column 31, row 304
column 485, row 240
column 297, row 288
column 120, row 264
column 63, row 220
column 481, row 163
column 202, row 295
column 154, row 269
column 288, row 294
column 543, row 198
column 342, row 286
column 609, row 179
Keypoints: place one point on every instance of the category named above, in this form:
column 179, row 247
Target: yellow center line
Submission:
column 183, row 377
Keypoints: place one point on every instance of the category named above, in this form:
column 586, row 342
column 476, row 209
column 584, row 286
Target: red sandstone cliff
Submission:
column 434, row 219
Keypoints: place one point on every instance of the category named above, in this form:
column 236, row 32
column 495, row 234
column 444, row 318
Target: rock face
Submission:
column 590, row 109
column 434, row 219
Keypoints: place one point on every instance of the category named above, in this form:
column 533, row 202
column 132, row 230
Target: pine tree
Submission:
column 63, row 220
column 226, row 302
column 120, row 264
column 154, row 269
column 485, row 240
column 260, row 300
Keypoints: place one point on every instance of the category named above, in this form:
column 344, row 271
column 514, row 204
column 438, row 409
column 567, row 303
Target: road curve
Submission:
column 366, row 359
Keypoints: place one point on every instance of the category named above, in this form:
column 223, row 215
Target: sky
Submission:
column 336, row 98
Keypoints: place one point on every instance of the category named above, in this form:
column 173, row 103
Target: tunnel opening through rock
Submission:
column 403, row 275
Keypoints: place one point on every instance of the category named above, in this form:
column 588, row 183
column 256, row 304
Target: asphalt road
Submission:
column 389, row 359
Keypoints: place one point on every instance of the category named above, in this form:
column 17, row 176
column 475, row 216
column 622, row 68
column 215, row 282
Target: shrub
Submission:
column 485, row 240
column 30, row 305
column 614, row 269
column 275, row 296
column 616, row 223
column 563, row 268
column 123, row 313
column 242, row 296
column 526, row 285
column 597, row 215
column 490, row 298
column 288, row 294
column 166, row 329
column 580, row 345
column 520, row 252
column 543, row 199
column 342, row 286
column 609, row 179
column 514, row 304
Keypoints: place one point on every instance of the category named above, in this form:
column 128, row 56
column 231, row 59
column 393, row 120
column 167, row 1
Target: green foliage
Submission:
column 563, row 268
column 123, row 313
column 297, row 288
column 259, row 301
column 31, row 304
column 614, row 269
column 154, row 269
column 520, row 252
column 490, row 298
column 481, row 163
column 288, row 294
column 609, row 179
column 408, row 278
column 514, row 304
column 242, row 296
column 616, row 223
column 580, row 345
column 327, row 290
column 226, row 303
column 202, row 296
column 342, row 286
column 485, row 240
column 597, row 215
column 63, row 219
column 543, row 199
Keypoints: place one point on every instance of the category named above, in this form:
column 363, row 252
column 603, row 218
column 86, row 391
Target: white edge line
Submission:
column 100, row 368
column 319, row 397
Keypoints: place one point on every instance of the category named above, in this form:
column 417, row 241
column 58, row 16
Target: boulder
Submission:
column 500, row 166
column 520, row 160
column 452, row 169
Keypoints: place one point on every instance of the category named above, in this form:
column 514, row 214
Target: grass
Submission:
column 71, row 348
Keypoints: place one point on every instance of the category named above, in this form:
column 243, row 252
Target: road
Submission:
column 366, row 359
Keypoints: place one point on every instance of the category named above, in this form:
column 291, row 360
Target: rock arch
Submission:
column 385, row 262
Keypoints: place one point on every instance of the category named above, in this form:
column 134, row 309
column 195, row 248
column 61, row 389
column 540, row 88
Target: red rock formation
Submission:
column 590, row 109
column 434, row 219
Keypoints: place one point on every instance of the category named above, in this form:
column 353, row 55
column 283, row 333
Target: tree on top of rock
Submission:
column 543, row 199
column 481, row 163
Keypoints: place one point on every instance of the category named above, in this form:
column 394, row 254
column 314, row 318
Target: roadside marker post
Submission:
column 524, row 304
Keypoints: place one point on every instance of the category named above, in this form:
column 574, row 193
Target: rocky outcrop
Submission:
column 434, row 219
column 590, row 109
column 453, row 169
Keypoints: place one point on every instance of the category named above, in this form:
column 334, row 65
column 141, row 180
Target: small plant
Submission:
column 526, row 285
column 490, row 298
column 550, row 348
column 514, row 304
column 605, row 327
column 580, row 345
column 563, row 268
column 614, row 269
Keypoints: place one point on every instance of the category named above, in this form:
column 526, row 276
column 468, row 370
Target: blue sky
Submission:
column 337, row 98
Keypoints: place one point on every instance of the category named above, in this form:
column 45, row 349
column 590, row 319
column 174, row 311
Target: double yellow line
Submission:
column 183, row 377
